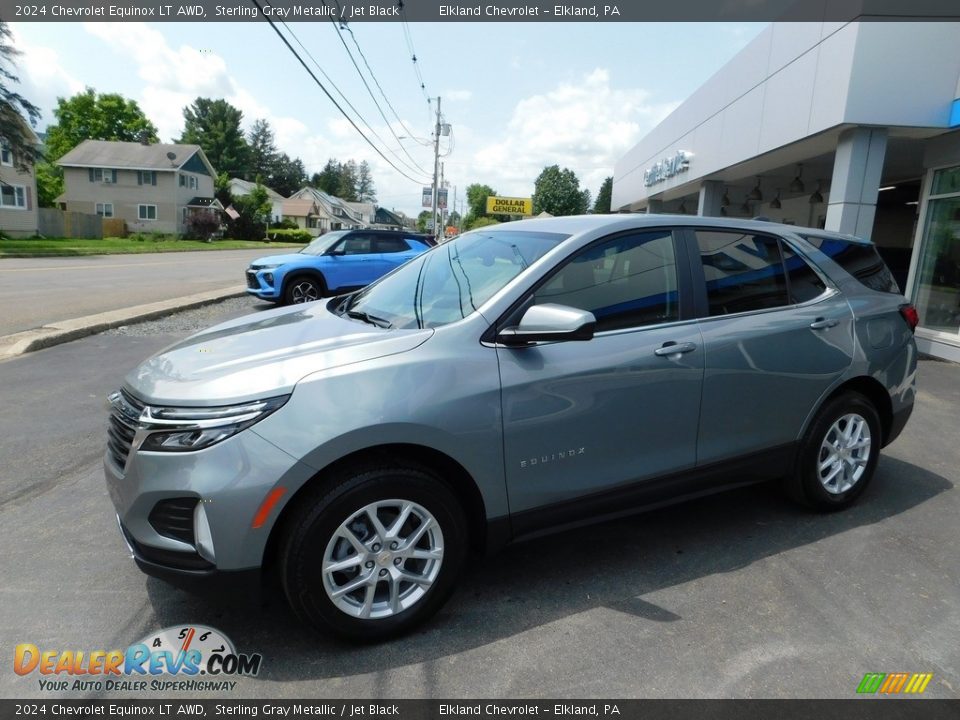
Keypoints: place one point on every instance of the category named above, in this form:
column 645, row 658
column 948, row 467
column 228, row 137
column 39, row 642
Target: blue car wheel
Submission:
column 303, row 289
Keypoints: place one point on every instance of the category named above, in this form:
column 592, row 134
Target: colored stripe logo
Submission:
column 894, row 683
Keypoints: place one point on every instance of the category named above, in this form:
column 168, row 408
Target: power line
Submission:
column 413, row 52
column 326, row 92
column 370, row 92
column 413, row 168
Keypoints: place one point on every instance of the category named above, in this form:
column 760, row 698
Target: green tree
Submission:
column 96, row 116
column 422, row 219
column 49, row 183
column 474, row 223
column 558, row 192
column 214, row 125
column 328, row 179
column 347, row 188
column 366, row 190
column 477, row 195
column 287, row 175
column 254, row 209
column 263, row 150
column 602, row 205
column 14, row 107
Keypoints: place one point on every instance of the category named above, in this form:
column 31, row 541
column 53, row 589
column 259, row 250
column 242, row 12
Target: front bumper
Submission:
column 230, row 480
column 261, row 286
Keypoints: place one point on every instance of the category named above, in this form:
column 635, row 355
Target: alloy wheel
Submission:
column 844, row 453
column 304, row 291
column 383, row 559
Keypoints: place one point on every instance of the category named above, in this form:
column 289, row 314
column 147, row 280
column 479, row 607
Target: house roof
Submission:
column 245, row 187
column 205, row 202
column 329, row 203
column 299, row 207
column 132, row 155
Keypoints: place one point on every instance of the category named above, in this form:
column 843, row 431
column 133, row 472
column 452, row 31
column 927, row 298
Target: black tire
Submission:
column 297, row 289
column 805, row 485
column 311, row 530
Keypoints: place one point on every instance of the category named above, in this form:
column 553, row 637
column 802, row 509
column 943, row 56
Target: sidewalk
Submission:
column 67, row 330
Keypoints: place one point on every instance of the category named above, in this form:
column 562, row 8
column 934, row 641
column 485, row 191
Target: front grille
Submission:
column 124, row 415
column 173, row 518
column 252, row 281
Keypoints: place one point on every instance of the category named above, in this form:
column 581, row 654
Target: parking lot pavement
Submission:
column 737, row 595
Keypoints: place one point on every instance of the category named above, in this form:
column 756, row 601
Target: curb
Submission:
column 64, row 331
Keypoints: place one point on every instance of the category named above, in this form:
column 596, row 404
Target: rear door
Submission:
column 597, row 417
column 392, row 252
column 776, row 337
column 356, row 266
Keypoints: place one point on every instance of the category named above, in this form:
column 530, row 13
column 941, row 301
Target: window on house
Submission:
column 188, row 181
column 13, row 196
column 104, row 175
column 6, row 156
column 105, row 209
column 147, row 212
column 146, row 177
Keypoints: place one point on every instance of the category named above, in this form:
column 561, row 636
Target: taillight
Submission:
column 910, row 314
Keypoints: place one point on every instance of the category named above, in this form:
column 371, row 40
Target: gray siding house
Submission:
column 154, row 188
column 18, row 193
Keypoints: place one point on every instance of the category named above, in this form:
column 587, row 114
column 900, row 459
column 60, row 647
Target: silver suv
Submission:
column 518, row 379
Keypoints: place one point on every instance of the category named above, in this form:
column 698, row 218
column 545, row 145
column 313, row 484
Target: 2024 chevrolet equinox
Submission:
column 518, row 378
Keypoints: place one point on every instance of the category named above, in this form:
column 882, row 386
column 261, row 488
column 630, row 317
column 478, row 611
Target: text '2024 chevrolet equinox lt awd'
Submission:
column 516, row 379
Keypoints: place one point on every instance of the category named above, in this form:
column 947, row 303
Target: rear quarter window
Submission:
column 860, row 259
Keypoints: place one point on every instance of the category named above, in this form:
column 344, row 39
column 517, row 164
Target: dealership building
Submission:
column 848, row 126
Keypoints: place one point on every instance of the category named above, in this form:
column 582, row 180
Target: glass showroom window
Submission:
column 937, row 287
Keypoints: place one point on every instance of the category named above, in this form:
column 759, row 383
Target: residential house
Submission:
column 318, row 212
column 154, row 188
column 18, row 192
column 365, row 210
column 239, row 188
column 389, row 219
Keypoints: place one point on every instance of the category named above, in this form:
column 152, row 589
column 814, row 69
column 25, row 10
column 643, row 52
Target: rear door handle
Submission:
column 823, row 323
column 672, row 348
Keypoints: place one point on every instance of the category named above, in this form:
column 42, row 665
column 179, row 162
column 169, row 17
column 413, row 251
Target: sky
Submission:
column 518, row 96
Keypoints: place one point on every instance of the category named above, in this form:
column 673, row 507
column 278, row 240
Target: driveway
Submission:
column 37, row 291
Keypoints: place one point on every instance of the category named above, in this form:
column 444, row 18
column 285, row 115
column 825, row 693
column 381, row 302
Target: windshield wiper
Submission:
column 368, row 318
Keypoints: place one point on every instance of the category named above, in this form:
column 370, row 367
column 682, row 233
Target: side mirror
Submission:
column 550, row 323
column 336, row 253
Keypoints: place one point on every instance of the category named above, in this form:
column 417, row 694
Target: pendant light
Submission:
column 797, row 185
column 725, row 200
column 755, row 194
column 816, row 197
column 745, row 208
column 775, row 203
column 683, row 207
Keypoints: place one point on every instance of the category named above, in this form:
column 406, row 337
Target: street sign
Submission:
column 427, row 197
column 509, row 206
column 442, row 198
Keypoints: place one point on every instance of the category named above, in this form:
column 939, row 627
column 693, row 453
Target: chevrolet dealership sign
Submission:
column 667, row 168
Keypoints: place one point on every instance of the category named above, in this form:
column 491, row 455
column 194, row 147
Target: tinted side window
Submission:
column 357, row 245
column 743, row 272
column 805, row 284
column 391, row 245
column 859, row 259
column 626, row 282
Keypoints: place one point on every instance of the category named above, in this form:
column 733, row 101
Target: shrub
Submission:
column 285, row 224
column 202, row 226
column 294, row 236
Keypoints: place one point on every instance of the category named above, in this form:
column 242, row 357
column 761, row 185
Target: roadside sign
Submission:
column 509, row 206
column 427, row 197
column 442, row 198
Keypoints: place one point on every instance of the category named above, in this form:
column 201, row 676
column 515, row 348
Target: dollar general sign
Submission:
column 509, row 206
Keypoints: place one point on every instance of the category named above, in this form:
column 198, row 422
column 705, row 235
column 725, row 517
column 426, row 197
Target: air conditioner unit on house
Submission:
column 107, row 181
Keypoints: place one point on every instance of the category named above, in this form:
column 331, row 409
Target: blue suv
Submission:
column 334, row 263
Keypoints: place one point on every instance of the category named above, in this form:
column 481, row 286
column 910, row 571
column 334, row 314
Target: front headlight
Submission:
column 170, row 429
column 266, row 267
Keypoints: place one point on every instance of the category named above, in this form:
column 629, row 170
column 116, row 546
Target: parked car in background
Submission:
column 517, row 379
column 334, row 263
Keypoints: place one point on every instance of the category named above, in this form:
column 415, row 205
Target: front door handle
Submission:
column 671, row 348
column 823, row 323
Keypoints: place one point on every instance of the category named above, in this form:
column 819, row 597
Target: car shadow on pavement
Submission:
column 613, row 565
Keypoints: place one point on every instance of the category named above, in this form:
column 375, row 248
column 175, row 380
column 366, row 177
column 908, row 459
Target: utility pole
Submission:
column 436, row 170
column 443, row 212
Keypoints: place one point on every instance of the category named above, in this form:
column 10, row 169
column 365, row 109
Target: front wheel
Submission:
column 377, row 554
column 838, row 454
column 303, row 289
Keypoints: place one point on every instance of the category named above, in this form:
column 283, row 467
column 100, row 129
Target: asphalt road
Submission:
column 37, row 291
column 738, row 595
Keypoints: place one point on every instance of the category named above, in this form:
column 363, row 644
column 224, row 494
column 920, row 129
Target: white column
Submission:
column 857, row 168
column 711, row 198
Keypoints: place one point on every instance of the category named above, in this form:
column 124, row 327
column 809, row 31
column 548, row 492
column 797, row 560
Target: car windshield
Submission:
column 323, row 243
column 451, row 281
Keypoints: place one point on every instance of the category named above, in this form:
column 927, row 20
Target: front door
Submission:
column 587, row 418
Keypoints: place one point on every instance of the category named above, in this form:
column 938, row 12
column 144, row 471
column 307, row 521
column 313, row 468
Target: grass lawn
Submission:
column 52, row 247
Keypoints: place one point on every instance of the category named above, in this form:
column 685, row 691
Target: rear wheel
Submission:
column 838, row 454
column 303, row 289
column 375, row 555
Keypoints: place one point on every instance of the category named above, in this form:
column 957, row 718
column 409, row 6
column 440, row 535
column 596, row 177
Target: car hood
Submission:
column 278, row 259
column 262, row 355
